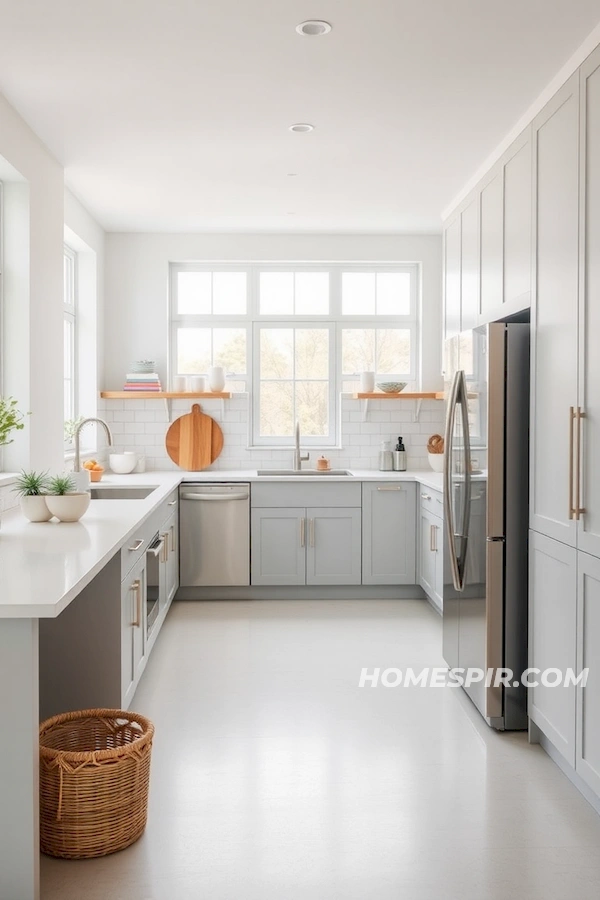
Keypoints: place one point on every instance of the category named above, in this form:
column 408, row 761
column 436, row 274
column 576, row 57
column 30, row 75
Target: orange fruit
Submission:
column 89, row 464
column 97, row 468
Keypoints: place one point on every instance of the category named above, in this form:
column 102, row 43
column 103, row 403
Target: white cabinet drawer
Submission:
column 431, row 501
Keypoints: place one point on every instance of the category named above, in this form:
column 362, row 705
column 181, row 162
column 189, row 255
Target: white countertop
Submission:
column 44, row 566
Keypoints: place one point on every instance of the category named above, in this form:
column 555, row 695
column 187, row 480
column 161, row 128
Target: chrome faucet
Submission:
column 299, row 457
column 77, row 463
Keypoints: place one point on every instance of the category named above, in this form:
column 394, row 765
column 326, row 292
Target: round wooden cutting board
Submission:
column 194, row 440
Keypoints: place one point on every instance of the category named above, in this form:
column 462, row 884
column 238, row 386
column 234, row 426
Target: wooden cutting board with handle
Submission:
column 194, row 440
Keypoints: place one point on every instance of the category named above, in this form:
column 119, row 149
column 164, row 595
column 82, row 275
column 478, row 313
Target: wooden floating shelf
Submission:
column 401, row 395
column 165, row 395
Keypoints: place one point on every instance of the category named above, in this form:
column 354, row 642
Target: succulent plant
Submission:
column 61, row 484
column 31, row 484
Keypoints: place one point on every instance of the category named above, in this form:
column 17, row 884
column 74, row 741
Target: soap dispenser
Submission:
column 400, row 457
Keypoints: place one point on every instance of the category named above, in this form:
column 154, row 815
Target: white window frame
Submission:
column 70, row 315
column 335, row 321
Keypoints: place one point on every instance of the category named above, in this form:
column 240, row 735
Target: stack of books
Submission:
column 142, row 381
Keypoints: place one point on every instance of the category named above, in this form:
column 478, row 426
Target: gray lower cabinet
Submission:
column 388, row 533
column 133, row 629
column 431, row 570
column 305, row 545
column 587, row 762
column 333, row 550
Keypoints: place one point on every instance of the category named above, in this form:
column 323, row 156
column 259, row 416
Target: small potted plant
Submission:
column 32, row 488
column 11, row 419
column 64, row 501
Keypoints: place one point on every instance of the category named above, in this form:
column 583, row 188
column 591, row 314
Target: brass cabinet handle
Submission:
column 136, row 587
column 139, row 543
column 432, row 538
column 165, row 547
column 391, row 488
column 311, row 525
column 425, row 496
column 173, row 542
column 171, row 502
column 579, row 510
column 571, row 462
column 302, row 531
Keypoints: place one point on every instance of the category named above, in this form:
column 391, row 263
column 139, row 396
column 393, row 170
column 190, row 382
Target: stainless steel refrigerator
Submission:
column 486, row 488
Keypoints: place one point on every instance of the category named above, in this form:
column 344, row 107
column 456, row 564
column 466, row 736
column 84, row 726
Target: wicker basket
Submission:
column 94, row 779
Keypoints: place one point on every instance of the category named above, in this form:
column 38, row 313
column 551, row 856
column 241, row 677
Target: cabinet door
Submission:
column 492, row 250
column 278, row 542
column 333, row 546
column 133, row 630
column 552, row 637
column 452, row 267
column 554, row 320
column 588, row 654
column 517, row 224
column 469, row 274
column 389, row 533
column 588, row 537
column 427, row 567
column 439, row 564
column 172, row 556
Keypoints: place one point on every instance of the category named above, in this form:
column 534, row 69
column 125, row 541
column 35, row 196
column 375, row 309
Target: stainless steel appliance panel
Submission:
column 214, row 534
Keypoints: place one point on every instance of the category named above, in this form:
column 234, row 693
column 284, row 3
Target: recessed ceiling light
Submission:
column 313, row 28
column 301, row 127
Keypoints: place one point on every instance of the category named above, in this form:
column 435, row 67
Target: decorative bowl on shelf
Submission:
column 436, row 461
column 391, row 387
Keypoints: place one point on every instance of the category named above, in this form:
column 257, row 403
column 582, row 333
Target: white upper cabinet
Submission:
column 554, row 331
column 470, row 265
column 492, row 245
column 452, row 240
column 588, row 537
column 517, row 224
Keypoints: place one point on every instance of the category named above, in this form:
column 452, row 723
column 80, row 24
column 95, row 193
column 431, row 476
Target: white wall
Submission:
column 32, row 372
column 137, row 268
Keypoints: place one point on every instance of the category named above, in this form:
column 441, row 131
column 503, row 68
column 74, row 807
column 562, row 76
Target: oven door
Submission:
column 155, row 578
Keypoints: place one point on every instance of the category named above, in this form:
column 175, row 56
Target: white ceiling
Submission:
column 172, row 115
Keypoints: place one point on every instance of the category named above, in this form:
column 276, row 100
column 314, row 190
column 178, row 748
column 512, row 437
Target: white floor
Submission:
column 275, row 776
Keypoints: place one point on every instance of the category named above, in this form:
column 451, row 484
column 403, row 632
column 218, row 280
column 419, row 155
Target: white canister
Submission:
column 179, row 384
column 196, row 384
column 367, row 382
column 216, row 378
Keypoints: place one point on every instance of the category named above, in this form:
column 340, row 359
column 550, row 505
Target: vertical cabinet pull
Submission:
column 173, row 542
column 136, row 587
column 302, row 530
column 433, row 538
column 311, row 532
column 579, row 507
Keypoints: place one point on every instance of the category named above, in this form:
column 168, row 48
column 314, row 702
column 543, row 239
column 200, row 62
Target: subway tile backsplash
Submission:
column 141, row 426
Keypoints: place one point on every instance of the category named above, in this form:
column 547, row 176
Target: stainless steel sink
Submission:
column 118, row 493
column 294, row 472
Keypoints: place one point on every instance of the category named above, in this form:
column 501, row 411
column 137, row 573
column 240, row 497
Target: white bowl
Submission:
column 391, row 387
column 436, row 461
column 122, row 463
column 68, row 507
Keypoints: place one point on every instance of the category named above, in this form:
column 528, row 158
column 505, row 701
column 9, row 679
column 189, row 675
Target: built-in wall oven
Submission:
column 155, row 582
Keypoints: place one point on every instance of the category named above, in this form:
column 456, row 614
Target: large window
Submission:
column 295, row 336
column 70, row 334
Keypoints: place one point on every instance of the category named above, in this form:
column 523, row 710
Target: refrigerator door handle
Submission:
column 466, row 523
column 449, row 517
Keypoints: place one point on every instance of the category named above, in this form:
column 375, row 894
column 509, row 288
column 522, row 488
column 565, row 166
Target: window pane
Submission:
column 69, row 356
column 393, row 294
column 276, row 353
column 193, row 293
column 312, row 353
column 229, row 293
column 312, row 294
column 276, row 293
column 358, row 293
column 276, row 409
column 358, row 350
column 193, row 351
column 229, row 349
column 393, row 351
column 312, row 410
column 68, row 280
column 69, row 411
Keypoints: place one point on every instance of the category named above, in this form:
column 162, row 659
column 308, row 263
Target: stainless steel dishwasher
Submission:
column 214, row 534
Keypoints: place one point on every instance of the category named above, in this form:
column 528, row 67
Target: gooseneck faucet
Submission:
column 77, row 462
column 299, row 457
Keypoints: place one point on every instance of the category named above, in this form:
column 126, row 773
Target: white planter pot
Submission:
column 216, row 378
column 68, row 507
column 436, row 461
column 35, row 508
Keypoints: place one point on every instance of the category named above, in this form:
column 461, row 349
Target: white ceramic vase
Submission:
column 367, row 382
column 216, row 378
column 68, row 507
column 35, row 508
column 436, row 461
